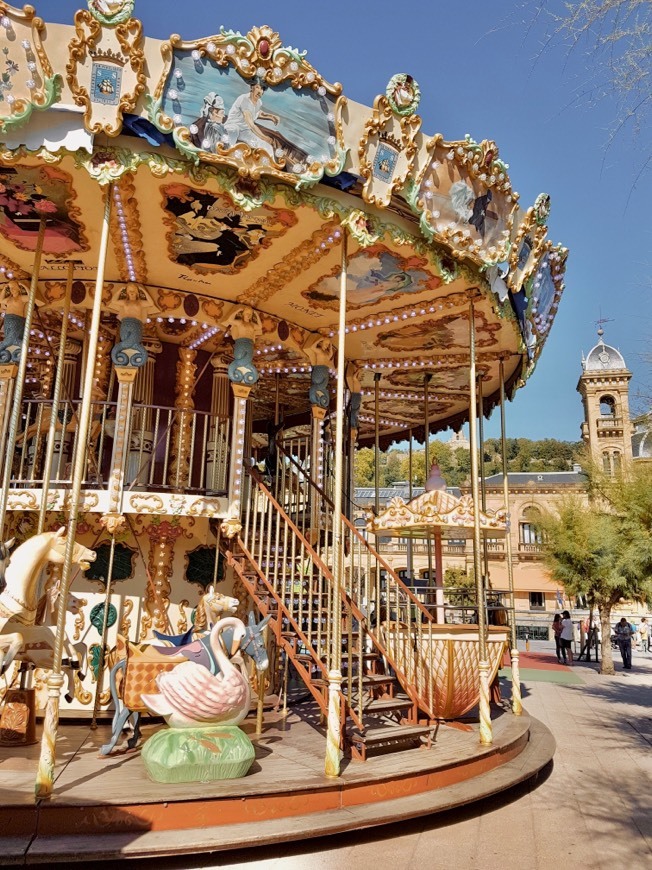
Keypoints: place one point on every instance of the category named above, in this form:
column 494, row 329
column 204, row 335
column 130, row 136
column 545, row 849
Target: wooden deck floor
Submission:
column 112, row 805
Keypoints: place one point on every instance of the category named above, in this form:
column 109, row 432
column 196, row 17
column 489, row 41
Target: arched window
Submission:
column 607, row 406
column 612, row 462
column 529, row 532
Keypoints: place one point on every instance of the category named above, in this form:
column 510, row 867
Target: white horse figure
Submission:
column 5, row 556
column 19, row 599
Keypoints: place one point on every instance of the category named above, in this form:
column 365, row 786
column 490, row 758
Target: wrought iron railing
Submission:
column 152, row 460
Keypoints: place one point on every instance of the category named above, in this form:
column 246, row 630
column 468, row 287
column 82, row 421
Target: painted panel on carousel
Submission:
column 375, row 275
column 106, row 70
column 450, row 379
column 442, row 333
column 402, row 412
column 250, row 102
column 536, row 302
column 29, row 193
column 528, row 243
column 387, row 147
column 464, row 195
column 208, row 234
column 26, row 78
column 545, row 288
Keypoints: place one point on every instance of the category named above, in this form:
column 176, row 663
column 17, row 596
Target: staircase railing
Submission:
column 286, row 575
column 397, row 622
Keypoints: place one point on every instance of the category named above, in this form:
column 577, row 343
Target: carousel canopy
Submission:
column 235, row 172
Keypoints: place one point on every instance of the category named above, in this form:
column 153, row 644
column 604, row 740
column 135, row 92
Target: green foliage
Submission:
column 459, row 578
column 455, row 464
column 603, row 549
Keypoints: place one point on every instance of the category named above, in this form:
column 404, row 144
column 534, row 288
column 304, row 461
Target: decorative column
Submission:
column 320, row 354
column 128, row 356
column 517, row 706
column 486, row 736
column 334, row 723
column 141, row 440
column 217, row 447
column 243, row 374
column 179, row 474
column 24, row 310
column 162, row 538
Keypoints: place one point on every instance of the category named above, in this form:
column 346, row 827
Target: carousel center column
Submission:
column 181, row 465
column 243, row 374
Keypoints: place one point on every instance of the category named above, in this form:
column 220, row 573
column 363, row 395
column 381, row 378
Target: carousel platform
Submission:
column 108, row 808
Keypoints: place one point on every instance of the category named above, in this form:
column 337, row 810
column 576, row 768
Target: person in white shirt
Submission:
column 241, row 122
column 566, row 637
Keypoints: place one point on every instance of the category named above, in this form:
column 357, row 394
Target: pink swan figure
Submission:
column 189, row 695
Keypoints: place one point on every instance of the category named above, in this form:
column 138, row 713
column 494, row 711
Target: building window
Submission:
column 529, row 531
column 611, row 462
column 537, row 600
column 607, row 406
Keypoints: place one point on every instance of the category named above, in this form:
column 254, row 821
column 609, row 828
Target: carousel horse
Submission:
column 139, row 667
column 37, row 648
column 5, row 556
column 19, row 599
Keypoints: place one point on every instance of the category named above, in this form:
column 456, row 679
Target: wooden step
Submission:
column 389, row 736
column 386, row 705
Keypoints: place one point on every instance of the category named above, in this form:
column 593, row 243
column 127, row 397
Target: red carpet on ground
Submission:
column 541, row 661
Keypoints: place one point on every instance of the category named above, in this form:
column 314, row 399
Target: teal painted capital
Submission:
column 354, row 409
column 242, row 370
column 318, row 392
column 129, row 352
column 13, row 338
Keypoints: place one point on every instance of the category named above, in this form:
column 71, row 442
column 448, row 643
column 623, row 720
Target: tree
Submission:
column 603, row 548
column 617, row 38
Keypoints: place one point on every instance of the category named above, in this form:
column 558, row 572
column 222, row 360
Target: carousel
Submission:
column 218, row 277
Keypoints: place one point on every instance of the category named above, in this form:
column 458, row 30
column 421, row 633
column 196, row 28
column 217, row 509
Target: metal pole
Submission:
column 410, row 552
column 52, row 431
column 377, row 440
column 14, row 422
column 486, row 736
column 45, row 774
column 483, row 483
column 334, row 733
column 517, row 706
column 426, row 459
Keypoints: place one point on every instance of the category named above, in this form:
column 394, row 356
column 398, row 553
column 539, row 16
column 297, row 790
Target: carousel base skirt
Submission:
column 108, row 808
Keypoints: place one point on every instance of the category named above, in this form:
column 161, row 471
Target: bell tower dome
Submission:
column 604, row 388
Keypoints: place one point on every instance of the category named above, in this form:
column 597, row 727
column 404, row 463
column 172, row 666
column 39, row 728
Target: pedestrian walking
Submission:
column 566, row 637
column 644, row 632
column 556, row 630
column 623, row 633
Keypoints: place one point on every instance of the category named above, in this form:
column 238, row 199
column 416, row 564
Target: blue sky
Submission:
column 482, row 71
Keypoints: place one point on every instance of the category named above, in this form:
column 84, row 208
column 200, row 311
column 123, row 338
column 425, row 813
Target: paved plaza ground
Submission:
column 592, row 808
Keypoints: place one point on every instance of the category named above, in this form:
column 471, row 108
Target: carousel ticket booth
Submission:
column 218, row 276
